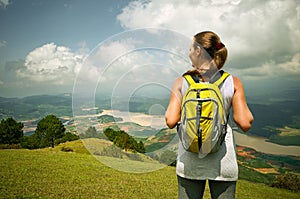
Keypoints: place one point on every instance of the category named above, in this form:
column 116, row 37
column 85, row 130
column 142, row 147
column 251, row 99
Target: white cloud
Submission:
column 126, row 62
column 292, row 66
column 4, row 3
column 289, row 69
column 51, row 63
column 114, row 49
column 3, row 43
column 83, row 48
column 255, row 32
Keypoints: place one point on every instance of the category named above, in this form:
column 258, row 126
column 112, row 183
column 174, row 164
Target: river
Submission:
column 242, row 139
column 261, row 144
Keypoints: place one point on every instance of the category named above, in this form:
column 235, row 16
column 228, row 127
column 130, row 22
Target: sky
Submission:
column 129, row 47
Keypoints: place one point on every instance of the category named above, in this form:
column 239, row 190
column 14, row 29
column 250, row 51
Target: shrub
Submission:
column 10, row 146
column 134, row 156
column 67, row 149
column 111, row 151
column 287, row 181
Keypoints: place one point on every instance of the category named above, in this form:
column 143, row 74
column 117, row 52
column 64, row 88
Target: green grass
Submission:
column 51, row 173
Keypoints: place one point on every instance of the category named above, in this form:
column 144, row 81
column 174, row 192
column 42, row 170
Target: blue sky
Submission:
column 43, row 43
column 27, row 25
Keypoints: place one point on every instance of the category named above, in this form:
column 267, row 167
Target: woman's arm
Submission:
column 173, row 112
column 241, row 113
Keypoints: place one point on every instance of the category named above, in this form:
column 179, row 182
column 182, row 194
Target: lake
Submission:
column 242, row 139
column 261, row 144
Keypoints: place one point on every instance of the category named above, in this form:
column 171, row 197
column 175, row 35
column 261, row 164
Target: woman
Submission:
column 220, row 169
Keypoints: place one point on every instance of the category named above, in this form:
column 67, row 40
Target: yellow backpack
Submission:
column 203, row 124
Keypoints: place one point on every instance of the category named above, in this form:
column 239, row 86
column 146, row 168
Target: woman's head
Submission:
column 213, row 46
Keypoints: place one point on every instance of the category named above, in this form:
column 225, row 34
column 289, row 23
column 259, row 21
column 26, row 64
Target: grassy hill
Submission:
column 53, row 173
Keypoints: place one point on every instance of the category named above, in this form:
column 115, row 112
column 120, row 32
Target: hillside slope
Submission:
column 52, row 173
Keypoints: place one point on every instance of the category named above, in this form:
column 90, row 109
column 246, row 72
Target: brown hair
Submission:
column 214, row 47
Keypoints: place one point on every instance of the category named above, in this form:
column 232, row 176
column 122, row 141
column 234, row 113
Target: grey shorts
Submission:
column 194, row 189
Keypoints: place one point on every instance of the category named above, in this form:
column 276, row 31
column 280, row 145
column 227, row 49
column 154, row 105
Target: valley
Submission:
column 260, row 158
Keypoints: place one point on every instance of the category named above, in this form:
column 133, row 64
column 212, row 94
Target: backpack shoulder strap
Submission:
column 189, row 79
column 221, row 80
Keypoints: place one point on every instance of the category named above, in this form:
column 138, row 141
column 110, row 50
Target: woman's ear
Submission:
column 198, row 51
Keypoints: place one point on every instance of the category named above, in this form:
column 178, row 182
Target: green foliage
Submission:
column 161, row 139
column 91, row 132
column 30, row 142
column 116, row 152
column 287, row 181
column 76, row 146
column 66, row 138
column 111, row 151
column 134, row 156
column 258, row 163
column 282, row 162
column 124, row 141
column 48, row 130
column 11, row 131
column 108, row 118
column 10, row 146
column 285, row 140
column 254, row 176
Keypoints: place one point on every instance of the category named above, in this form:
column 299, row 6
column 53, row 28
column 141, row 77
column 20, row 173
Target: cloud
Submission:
column 134, row 60
column 3, row 43
column 289, row 69
column 49, row 68
column 51, row 63
column 4, row 3
column 255, row 32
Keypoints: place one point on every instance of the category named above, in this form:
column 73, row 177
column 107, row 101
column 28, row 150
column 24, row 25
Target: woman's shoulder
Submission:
column 237, row 83
column 178, row 81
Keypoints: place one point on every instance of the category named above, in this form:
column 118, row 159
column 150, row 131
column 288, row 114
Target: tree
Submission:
column 48, row 130
column 67, row 137
column 11, row 131
column 141, row 147
column 30, row 142
column 124, row 141
column 91, row 132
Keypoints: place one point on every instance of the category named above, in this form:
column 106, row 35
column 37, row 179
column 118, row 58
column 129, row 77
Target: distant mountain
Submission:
column 274, row 96
column 35, row 106
column 277, row 114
